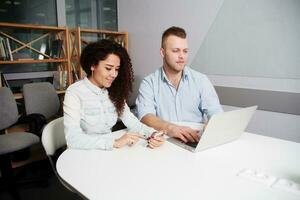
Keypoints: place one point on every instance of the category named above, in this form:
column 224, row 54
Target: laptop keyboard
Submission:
column 192, row 144
column 178, row 141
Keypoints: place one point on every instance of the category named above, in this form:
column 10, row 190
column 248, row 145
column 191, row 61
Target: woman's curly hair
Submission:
column 122, row 85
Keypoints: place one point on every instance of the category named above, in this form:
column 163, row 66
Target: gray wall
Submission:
column 146, row 20
column 263, row 41
column 273, row 124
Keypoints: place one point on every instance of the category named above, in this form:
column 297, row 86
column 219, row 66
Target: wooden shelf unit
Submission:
column 7, row 30
column 20, row 95
column 33, row 61
column 82, row 36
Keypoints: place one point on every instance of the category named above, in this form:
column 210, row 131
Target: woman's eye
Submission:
column 108, row 69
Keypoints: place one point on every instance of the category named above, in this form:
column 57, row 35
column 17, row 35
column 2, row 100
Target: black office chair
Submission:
column 41, row 104
column 41, row 98
column 11, row 142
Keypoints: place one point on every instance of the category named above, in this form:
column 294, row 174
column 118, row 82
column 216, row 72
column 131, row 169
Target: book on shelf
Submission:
column 74, row 73
column 2, row 52
column 42, row 50
column 60, row 80
column 120, row 41
column 5, row 50
column 56, row 48
column 9, row 50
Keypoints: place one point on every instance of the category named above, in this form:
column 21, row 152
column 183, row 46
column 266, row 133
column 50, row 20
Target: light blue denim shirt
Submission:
column 195, row 99
column 89, row 116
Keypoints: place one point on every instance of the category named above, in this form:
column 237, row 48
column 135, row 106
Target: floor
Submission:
column 51, row 189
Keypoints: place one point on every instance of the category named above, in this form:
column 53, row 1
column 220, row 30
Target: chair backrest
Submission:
column 53, row 137
column 8, row 110
column 41, row 98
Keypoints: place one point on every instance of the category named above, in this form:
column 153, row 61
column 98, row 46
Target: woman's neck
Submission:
column 94, row 82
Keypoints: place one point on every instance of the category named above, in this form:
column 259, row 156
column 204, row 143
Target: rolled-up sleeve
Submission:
column 75, row 136
column 145, row 101
column 210, row 100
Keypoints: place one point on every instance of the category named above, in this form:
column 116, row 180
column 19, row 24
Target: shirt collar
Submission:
column 185, row 74
column 93, row 87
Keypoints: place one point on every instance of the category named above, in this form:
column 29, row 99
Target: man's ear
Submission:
column 162, row 52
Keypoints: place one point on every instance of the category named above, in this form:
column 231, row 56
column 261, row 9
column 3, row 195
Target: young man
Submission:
column 175, row 92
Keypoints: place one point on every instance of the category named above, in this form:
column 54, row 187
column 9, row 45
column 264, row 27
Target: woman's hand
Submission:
column 156, row 139
column 127, row 139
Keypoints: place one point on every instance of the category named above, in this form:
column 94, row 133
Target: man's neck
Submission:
column 173, row 76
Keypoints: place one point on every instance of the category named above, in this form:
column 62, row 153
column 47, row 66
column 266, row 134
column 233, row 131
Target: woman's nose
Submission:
column 114, row 73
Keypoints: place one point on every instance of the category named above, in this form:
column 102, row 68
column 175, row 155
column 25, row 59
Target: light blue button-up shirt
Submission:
column 89, row 115
column 193, row 101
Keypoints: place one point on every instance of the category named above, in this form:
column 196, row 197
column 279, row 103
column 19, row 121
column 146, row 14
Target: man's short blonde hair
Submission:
column 174, row 30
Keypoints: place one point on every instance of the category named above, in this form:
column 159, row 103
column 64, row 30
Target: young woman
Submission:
column 93, row 105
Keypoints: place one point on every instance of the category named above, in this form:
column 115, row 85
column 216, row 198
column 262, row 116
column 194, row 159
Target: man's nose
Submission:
column 180, row 55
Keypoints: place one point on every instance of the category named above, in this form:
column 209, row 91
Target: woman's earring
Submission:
column 92, row 74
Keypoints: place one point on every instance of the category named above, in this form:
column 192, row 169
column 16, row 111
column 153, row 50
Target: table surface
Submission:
column 170, row 172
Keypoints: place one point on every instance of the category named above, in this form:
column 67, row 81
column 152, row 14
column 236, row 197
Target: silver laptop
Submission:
column 221, row 128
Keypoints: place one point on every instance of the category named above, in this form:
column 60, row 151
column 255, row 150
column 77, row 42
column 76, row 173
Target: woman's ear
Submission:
column 92, row 68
